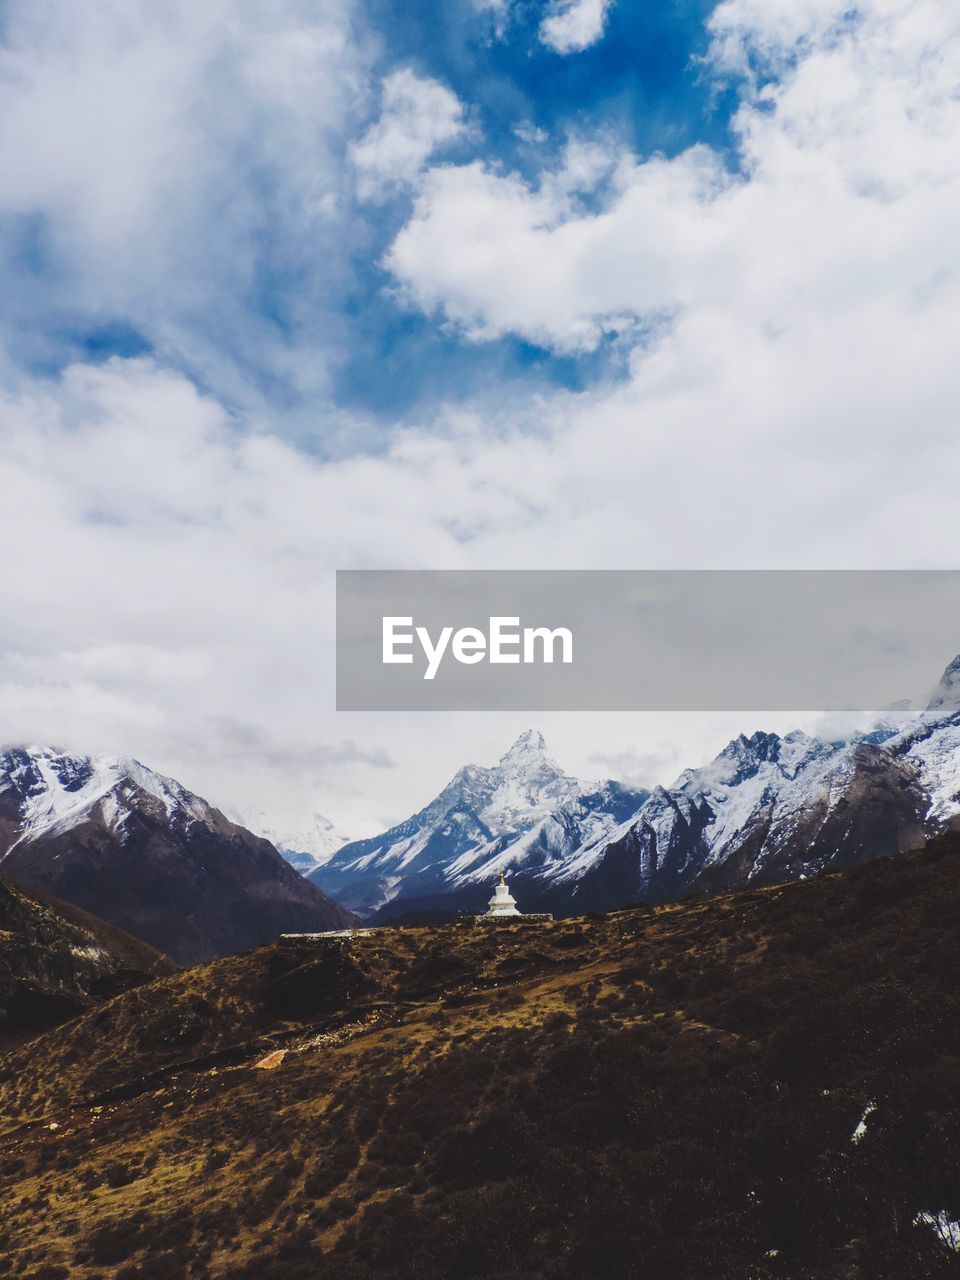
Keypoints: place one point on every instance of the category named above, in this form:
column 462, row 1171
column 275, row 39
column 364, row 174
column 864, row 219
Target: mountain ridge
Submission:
column 523, row 811
column 148, row 856
column 767, row 808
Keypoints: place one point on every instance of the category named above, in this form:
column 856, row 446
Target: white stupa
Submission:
column 502, row 903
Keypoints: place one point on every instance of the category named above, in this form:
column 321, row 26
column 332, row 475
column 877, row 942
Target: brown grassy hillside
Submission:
column 56, row 961
column 654, row 1094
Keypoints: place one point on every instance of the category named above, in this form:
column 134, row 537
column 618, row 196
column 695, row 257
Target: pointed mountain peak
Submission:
column 946, row 696
column 759, row 746
column 530, row 743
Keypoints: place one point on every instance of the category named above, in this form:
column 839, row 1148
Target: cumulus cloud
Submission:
column 574, row 25
column 842, row 202
column 418, row 116
column 497, row 256
column 749, row 35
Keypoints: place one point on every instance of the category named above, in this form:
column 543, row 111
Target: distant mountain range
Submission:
column 305, row 845
column 148, row 856
column 767, row 809
column 524, row 814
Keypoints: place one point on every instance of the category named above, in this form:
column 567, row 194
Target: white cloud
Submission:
column 841, row 211
column 418, row 115
column 498, row 10
column 497, row 257
column 750, row 33
column 168, row 563
column 169, row 155
column 574, row 25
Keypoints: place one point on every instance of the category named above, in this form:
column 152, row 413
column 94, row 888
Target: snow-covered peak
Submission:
column 527, row 781
column 529, row 747
column 526, row 784
column 945, row 699
column 306, row 845
column 741, row 758
column 761, row 756
column 55, row 792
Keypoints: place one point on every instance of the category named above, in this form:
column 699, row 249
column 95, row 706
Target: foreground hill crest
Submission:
column 56, row 960
column 755, row 1086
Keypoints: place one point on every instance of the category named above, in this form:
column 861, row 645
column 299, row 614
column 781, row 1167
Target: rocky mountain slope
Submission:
column 757, row 1086
column 56, row 961
column 148, row 856
column 524, row 812
column 770, row 809
column 766, row 810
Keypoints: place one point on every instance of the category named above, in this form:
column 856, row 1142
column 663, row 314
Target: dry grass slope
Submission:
column 56, row 961
column 649, row 1095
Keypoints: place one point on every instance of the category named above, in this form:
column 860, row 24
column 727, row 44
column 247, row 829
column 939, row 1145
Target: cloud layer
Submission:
column 163, row 162
column 779, row 323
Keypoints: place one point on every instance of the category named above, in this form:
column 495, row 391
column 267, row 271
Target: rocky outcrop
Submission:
column 56, row 961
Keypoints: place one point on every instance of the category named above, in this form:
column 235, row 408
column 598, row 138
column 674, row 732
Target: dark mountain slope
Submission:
column 55, row 961
column 843, row 809
column 745, row 1087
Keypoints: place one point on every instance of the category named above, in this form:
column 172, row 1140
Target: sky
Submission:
column 303, row 285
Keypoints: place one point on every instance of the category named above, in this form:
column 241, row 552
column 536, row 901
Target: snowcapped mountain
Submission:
column 525, row 812
column 770, row 809
column 305, row 846
column 148, row 856
column 45, row 793
column 767, row 809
